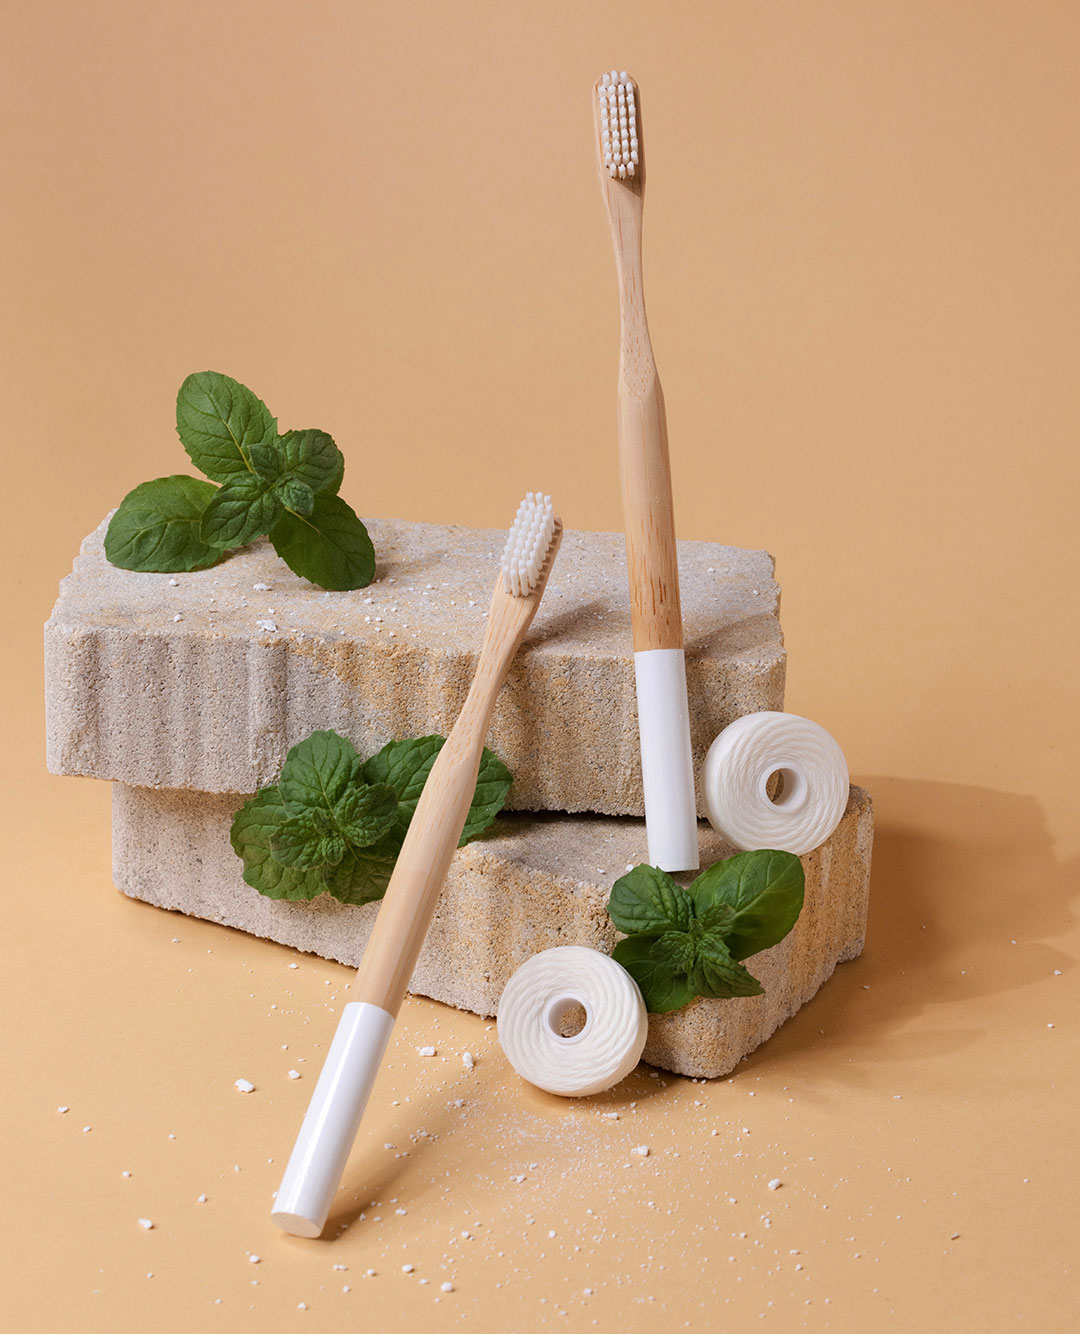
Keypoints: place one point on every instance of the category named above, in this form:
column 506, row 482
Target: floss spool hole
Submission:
column 536, row 1021
column 775, row 780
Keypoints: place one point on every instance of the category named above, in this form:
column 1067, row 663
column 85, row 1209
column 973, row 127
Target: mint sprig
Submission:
column 334, row 824
column 282, row 485
column 683, row 943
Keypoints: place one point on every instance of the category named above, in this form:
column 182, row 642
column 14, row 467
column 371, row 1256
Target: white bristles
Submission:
column 618, row 124
column 527, row 544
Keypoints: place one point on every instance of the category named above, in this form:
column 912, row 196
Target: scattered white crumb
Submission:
column 402, row 1212
column 446, row 1287
column 301, row 1306
column 775, row 1183
column 294, row 1074
column 426, row 1051
column 146, row 1223
column 611, row 1116
column 266, row 625
column 61, row 1110
column 245, row 1086
column 174, row 583
column 407, row 1269
column 468, row 1060
column 294, row 965
column 643, row 1150
column 261, row 588
column 341, row 1266
column 1049, row 1025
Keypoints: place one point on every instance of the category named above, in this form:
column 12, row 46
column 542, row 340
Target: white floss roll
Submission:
column 542, row 991
column 813, row 774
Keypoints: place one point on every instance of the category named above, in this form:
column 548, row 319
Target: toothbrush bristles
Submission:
column 618, row 124
column 527, row 544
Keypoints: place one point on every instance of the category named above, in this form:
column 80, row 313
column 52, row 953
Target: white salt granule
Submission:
column 426, row 1051
column 85, row 1129
column 177, row 617
column 775, row 1183
column 245, row 1086
column 643, row 1150
column 254, row 1259
column 294, row 1074
column 146, row 1223
column 261, row 588
column 267, row 625
column 401, row 1212
column 63, row 1109
column 446, row 1287
column 174, row 583
column 201, row 1199
column 407, row 1269
column 468, row 1060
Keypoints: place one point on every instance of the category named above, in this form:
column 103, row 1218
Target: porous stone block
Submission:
column 205, row 680
column 532, row 882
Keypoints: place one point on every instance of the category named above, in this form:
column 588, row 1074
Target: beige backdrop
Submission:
column 861, row 244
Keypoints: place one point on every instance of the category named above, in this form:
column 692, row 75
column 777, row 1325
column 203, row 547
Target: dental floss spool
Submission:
column 608, row 1046
column 736, row 776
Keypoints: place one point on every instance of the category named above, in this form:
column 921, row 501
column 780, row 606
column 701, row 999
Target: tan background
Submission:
column 861, row 265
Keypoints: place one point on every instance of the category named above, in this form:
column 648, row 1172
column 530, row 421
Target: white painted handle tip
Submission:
column 667, row 760
column 333, row 1117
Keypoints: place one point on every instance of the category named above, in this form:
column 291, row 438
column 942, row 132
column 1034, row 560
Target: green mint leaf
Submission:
column 313, row 458
column 330, row 547
column 218, row 420
column 716, row 919
column 716, row 974
column 365, row 814
column 764, row 888
column 244, row 508
column 405, row 765
column 492, row 786
column 296, row 496
column 647, row 899
column 157, row 526
column 364, row 873
column 676, row 949
column 255, row 825
column 268, row 458
column 318, row 772
column 663, row 990
column 303, row 842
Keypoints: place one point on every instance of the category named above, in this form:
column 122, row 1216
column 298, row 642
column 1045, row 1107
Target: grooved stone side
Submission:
column 534, row 882
column 164, row 680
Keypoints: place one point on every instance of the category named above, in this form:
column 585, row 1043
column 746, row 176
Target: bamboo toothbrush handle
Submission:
column 649, row 514
column 409, row 905
column 411, row 897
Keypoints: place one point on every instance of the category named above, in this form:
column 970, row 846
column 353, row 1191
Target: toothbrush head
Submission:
column 530, row 545
column 619, row 148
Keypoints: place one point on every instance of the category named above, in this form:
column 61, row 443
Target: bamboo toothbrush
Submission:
column 337, row 1104
column 667, row 764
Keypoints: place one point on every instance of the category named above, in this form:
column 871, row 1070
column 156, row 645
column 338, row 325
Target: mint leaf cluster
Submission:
column 283, row 485
column 683, row 943
column 334, row 823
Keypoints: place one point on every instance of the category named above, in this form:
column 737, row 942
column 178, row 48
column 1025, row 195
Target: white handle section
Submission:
column 332, row 1119
column 667, row 761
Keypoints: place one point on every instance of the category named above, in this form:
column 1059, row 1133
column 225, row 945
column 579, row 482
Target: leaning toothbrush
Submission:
column 667, row 764
column 337, row 1104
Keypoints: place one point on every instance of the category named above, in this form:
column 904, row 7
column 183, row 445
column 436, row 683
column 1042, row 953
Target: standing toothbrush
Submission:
column 667, row 766
column 337, row 1104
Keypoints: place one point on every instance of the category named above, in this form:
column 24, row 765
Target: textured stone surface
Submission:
column 535, row 881
column 170, row 680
